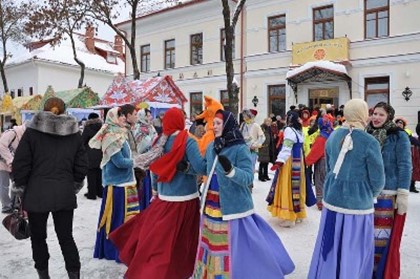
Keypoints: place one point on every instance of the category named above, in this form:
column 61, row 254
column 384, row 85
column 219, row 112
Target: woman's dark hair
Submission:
column 127, row 109
column 387, row 108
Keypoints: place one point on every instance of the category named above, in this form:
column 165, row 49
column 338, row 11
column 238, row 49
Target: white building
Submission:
column 283, row 50
column 42, row 64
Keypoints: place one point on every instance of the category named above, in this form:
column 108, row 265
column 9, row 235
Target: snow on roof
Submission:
column 105, row 46
column 327, row 65
column 62, row 54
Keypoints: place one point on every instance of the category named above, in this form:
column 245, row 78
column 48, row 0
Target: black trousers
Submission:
column 94, row 180
column 263, row 170
column 63, row 225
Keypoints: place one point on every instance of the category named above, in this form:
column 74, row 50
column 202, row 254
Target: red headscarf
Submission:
column 165, row 166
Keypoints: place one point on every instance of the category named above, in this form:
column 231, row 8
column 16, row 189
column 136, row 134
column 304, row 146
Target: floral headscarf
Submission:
column 110, row 138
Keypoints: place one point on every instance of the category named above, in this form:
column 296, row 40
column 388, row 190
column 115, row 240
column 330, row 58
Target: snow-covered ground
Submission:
column 16, row 256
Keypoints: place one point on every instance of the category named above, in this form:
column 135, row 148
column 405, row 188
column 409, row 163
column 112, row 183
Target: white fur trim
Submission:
column 348, row 211
column 401, row 190
column 231, row 174
column 389, row 192
column 179, row 198
column 238, row 215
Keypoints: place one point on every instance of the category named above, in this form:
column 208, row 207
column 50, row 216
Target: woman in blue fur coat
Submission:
column 235, row 242
column 120, row 199
column 355, row 176
column 389, row 223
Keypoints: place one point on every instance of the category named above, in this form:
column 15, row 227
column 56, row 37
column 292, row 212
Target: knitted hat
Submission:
column 254, row 112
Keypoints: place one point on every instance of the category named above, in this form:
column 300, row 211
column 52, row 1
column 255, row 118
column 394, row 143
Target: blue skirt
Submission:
column 146, row 192
column 344, row 247
column 123, row 205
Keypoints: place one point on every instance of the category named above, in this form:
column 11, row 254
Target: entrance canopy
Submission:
column 318, row 71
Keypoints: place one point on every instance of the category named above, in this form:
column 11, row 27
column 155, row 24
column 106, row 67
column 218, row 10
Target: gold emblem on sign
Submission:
column 319, row 54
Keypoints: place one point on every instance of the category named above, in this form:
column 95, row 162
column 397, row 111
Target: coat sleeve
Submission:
column 242, row 173
column 22, row 163
column 375, row 168
column 6, row 139
column 404, row 163
column 120, row 161
column 80, row 168
column 197, row 162
column 290, row 139
column 317, row 151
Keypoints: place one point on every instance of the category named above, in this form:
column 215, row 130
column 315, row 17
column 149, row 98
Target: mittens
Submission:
column 183, row 166
column 402, row 201
column 226, row 164
column 276, row 166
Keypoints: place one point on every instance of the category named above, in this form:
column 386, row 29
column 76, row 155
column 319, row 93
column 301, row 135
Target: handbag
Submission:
column 16, row 223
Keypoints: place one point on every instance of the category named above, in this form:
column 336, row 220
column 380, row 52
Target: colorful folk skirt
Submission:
column 241, row 248
column 161, row 241
column 344, row 247
column 388, row 232
column 283, row 205
column 119, row 204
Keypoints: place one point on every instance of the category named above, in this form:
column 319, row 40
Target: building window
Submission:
column 145, row 58
column 196, row 102
column 277, row 33
column 12, row 93
column 197, row 49
column 223, row 44
column 111, row 58
column 323, row 18
column 376, row 90
column 20, row 92
column 277, row 99
column 376, row 18
column 224, row 99
column 31, row 91
column 169, row 54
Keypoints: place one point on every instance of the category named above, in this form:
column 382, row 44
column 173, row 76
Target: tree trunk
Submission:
column 232, row 89
column 79, row 62
column 3, row 77
column 132, row 47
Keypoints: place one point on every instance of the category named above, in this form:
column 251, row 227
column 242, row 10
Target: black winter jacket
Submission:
column 94, row 155
column 49, row 160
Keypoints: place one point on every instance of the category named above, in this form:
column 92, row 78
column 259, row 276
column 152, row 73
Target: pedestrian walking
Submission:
column 48, row 170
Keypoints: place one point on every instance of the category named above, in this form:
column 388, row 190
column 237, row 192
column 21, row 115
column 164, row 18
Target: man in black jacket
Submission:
column 94, row 176
column 49, row 167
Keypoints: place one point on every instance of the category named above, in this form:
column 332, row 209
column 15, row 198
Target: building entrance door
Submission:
column 322, row 97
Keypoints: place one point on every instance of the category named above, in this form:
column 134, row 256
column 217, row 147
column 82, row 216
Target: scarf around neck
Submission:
column 165, row 166
column 381, row 133
column 110, row 138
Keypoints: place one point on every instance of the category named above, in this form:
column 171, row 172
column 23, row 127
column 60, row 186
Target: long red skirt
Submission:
column 160, row 242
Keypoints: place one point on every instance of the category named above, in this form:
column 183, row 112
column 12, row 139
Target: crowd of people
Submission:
column 177, row 194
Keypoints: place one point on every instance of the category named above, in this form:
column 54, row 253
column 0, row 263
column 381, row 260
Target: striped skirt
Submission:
column 241, row 248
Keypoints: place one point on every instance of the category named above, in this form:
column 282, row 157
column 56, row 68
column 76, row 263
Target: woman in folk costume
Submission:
column 144, row 135
column 316, row 156
column 235, row 242
column 288, row 192
column 389, row 223
column 161, row 242
column 120, row 199
column 355, row 176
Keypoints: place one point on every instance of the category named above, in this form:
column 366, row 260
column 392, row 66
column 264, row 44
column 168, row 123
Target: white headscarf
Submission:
column 356, row 113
